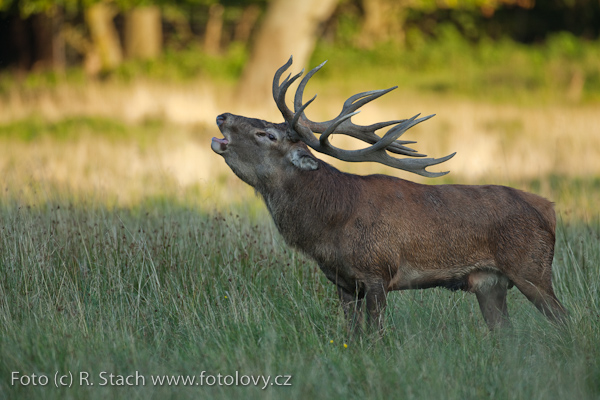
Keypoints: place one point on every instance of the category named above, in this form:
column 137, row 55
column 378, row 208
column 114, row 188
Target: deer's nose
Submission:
column 221, row 119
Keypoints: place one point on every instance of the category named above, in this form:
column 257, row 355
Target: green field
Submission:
column 164, row 289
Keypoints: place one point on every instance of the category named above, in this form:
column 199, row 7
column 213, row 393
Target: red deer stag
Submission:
column 377, row 233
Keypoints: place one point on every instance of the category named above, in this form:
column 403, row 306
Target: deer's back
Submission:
column 398, row 222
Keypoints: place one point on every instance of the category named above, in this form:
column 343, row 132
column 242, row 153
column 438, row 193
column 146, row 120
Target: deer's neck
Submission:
column 309, row 208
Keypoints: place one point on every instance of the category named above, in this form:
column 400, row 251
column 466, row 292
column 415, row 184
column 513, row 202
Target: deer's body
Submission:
column 377, row 233
column 475, row 238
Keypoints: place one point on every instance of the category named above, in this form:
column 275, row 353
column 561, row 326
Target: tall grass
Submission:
column 166, row 289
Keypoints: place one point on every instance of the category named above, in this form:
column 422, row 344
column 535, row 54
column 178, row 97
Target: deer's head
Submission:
column 260, row 151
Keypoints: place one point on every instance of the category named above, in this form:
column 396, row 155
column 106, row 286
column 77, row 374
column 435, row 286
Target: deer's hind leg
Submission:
column 490, row 287
column 539, row 291
column 533, row 277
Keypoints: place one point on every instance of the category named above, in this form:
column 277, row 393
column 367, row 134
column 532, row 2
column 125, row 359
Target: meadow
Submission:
column 128, row 248
column 165, row 289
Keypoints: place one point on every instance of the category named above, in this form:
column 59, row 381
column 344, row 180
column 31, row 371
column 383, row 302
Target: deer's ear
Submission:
column 302, row 159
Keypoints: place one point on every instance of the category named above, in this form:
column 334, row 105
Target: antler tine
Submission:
column 377, row 152
column 300, row 110
column 301, row 128
column 364, row 133
column 280, row 89
column 298, row 131
column 393, row 133
column 350, row 105
column 416, row 165
column 367, row 135
column 323, row 139
column 301, row 86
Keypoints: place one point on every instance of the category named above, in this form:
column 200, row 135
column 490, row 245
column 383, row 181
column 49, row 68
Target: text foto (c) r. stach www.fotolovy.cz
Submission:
column 104, row 378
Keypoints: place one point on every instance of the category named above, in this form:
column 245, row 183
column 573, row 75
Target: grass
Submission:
column 167, row 289
column 79, row 128
column 111, row 260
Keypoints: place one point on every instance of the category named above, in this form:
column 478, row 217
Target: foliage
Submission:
column 186, row 64
column 27, row 8
column 172, row 66
column 496, row 70
column 501, row 70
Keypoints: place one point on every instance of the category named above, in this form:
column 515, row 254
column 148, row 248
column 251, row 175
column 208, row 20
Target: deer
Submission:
column 374, row 234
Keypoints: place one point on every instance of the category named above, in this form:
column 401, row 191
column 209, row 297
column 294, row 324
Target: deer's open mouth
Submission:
column 219, row 145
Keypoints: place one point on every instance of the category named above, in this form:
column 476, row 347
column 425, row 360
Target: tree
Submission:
column 214, row 28
column 290, row 27
column 36, row 31
column 383, row 20
column 99, row 18
column 143, row 32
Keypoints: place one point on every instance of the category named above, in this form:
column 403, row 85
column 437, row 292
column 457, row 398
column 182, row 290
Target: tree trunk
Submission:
column 383, row 21
column 49, row 43
column 244, row 26
column 99, row 18
column 21, row 39
column 290, row 27
column 143, row 32
column 214, row 29
column 180, row 20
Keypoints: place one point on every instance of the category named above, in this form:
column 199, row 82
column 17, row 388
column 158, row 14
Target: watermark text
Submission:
column 105, row 378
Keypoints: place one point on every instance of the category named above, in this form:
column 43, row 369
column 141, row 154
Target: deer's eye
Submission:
column 271, row 137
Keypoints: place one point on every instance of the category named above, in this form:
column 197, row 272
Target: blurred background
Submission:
column 115, row 101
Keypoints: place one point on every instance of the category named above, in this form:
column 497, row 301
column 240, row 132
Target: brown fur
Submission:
column 373, row 234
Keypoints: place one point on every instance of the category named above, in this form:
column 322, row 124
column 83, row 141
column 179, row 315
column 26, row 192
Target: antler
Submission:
column 301, row 128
